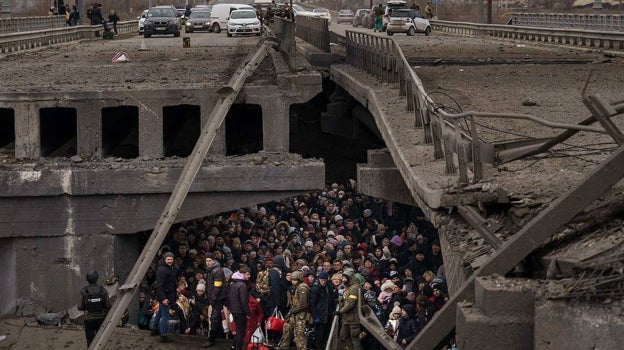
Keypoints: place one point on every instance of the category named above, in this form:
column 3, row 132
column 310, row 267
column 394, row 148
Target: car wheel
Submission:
column 147, row 35
column 228, row 34
column 176, row 35
column 411, row 31
column 216, row 28
column 427, row 30
column 390, row 33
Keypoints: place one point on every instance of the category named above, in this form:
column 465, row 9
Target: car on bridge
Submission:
column 358, row 18
column 162, row 20
column 408, row 21
column 345, row 15
column 300, row 11
column 198, row 21
column 322, row 13
column 142, row 19
column 243, row 22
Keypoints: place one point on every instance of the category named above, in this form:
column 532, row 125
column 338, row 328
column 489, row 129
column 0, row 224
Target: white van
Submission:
column 221, row 12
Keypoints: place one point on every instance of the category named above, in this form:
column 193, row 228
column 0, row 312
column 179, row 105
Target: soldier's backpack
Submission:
column 262, row 282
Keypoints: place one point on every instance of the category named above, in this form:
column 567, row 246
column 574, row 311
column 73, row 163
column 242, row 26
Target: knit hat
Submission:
column 396, row 309
column 367, row 213
column 337, row 218
column 323, row 275
column 387, row 286
column 200, row 287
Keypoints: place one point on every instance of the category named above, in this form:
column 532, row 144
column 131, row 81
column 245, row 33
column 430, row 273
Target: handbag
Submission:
column 275, row 323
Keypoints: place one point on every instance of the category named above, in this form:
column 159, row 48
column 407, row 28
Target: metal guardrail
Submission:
column 23, row 41
column 460, row 148
column 591, row 21
column 560, row 36
column 28, row 24
column 284, row 30
column 314, row 30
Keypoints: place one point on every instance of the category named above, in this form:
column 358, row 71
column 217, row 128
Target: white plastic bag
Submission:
column 258, row 336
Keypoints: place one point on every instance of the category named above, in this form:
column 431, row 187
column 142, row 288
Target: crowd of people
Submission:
column 310, row 259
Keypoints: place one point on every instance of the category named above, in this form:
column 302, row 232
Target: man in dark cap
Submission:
column 321, row 306
column 166, row 284
column 217, row 294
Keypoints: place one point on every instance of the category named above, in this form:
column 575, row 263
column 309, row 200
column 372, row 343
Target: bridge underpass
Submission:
column 532, row 200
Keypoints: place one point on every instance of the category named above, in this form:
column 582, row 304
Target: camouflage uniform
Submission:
column 297, row 318
column 349, row 335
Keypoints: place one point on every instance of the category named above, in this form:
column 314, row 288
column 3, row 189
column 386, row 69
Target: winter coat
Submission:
column 166, row 282
column 238, row 296
column 257, row 315
column 215, row 283
column 322, row 301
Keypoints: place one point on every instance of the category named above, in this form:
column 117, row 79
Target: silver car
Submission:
column 198, row 21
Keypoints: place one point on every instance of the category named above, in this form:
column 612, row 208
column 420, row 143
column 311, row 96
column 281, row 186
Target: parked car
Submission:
column 162, row 20
column 359, row 16
column 408, row 21
column 220, row 14
column 243, row 22
column 392, row 5
column 300, row 11
column 142, row 19
column 345, row 16
column 369, row 20
column 198, row 21
column 323, row 13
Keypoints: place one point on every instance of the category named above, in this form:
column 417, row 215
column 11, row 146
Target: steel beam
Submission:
column 167, row 218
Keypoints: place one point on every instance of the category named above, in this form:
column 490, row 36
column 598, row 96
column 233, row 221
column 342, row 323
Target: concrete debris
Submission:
column 529, row 102
column 76, row 159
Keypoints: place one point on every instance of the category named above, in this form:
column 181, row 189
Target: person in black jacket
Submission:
column 322, row 307
column 238, row 302
column 95, row 301
column 113, row 18
column 217, row 295
column 165, row 287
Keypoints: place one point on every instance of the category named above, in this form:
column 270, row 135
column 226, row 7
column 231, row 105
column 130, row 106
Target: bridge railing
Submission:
column 592, row 21
column 28, row 24
column 460, row 147
column 561, row 36
column 23, row 41
column 314, row 30
column 284, row 30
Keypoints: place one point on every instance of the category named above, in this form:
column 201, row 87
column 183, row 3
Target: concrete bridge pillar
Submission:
column 27, row 131
column 150, row 129
column 275, row 125
column 89, row 125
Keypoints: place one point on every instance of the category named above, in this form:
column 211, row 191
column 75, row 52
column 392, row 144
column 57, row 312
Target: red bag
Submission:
column 256, row 346
column 276, row 322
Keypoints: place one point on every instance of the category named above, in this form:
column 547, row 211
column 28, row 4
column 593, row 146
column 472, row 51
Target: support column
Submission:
column 151, row 130
column 218, row 147
column 275, row 125
column 27, row 131
column 89, row 125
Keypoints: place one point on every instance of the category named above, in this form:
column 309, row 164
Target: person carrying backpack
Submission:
column 95, row 302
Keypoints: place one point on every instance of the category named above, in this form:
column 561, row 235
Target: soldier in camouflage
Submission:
column 349, row 335
column 298, row 316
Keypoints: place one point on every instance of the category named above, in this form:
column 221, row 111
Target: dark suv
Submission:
column 162, row 20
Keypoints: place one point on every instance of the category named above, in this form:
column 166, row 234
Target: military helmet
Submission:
column 297, row 276
column 92, row 276
column 348, row 273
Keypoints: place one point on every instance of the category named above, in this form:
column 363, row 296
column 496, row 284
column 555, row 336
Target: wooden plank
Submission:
column 167, row 218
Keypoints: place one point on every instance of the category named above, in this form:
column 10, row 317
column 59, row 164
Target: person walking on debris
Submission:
column 217, row 295
column 349, row 335
column 165, row 287
column 378, row 12
column 95, row 301
column 297, row 317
